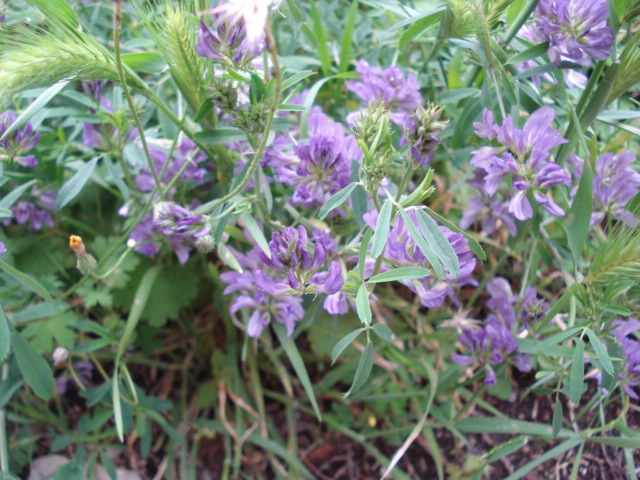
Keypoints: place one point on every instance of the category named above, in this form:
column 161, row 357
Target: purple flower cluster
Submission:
column 576, row 30
column 399, row 94
column 629, row 376
column 401, row 251
column 226, row 41
column 37, row 213
column 17, row 144
column 422, row 133
column 272, row 285
column 286, row 309
column 293, row 270
column 615, row 183
column 523, row 158
column 494, row 342
column 176, row 225
column 318, row 168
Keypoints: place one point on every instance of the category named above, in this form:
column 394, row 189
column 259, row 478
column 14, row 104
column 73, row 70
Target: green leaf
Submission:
column 579, row 219
column 221, row 135
column 365, row 364
column 256, row 233
column 35, row 107
column 14, row 195
column 362, row 304
column 117, row 403
column 453, row 96
column 144, row 62
column 337, row 200
column 347, row 37
column 548, row 455
column 292, row 352
column 70, row 471
column 108, row 466
column 228, row 258
column 576, row 378
column 57, row 11
column 59, row 327
column 473, row 243
column 26, row 280
column 548, row 342
column 529, row 54
column 5, row 339
column 403, row 273
column 323, row 45
column 362, row 252
column 420, row 193
column 344, row 343
column 383, row 332
column 75, row 184
column 35, row 369
column 600, row 350
column 422, row 244
column 294, row 79
column 438, row 242
column 382, row 229
column 420, row 24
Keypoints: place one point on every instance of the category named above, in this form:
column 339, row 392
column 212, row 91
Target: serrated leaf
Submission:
column 75, row 184
column 576, row 378
column 26, row 280
column 383, row 332
column 422, row 244
column 403, row 273
column 438, row 242
column 600, row 350
column 365, row 364
column 292, row 352
column 362, row 304
column 382, row 229
column 337, row 200
column 34, row 368
column 59, row 327
column 344, row 343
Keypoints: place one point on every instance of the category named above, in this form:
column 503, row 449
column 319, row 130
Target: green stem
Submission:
column 117, row 20
column 271, row 46
column 4, row 450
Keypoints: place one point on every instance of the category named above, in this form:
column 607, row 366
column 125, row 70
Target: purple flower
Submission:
column 400, row 94
column 523, row 157
column 15, row 145
column 489, row 346
column 84, row 371
column 228, row 40
column 615, row 183
column 576, row 30
column 629, row 375
column 292, row 269
column 286, row 309
column 422, row 132
column 37, row 214
column 3, row 249
column 322, row 166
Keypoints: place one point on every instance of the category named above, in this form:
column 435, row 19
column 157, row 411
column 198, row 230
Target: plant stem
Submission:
column 4, row 450
column 117, row 20
column 271, row 46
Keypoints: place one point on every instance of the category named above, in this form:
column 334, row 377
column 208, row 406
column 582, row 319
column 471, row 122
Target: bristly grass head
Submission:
column 173, row 26
column 629, row 71
column 618, row 257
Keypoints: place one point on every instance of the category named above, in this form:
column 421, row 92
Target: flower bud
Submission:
column 60, row 355
column 422, row 132
column 85, row 261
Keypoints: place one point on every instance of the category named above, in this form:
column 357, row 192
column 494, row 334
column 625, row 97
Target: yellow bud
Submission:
column 76, row 244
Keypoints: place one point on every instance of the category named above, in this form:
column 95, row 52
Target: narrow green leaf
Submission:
column 144, row 62
column 422, row 244
column 505, row 449
column 548, row 455
column 438, row 242
column 26, row 280
column 453, row 96
column 403, row 273
column 550, row 341
column 601, row 351
column 473, row 243
column 362, row 304
column 622, row 442
column 382, row 229
column 420, row 193
column 221, row 135
column 117, row 405
column 70, row 471
column 363, row 370
column 576, row 378
column 292, row 352
column 14, row 195
column 579, row 219
column 362, row 253
column 256, row 233
column 57, row 11
column 323, row 45
column 75, row 184
column 108, row 466
column 228, row 258
column 383, row 332
column 295, row 79
column 347, row 37
column 419, row 25
column 5, row 338
column 337, row 200
column 35, row 107
column 343, row 343
column 35, row 369
column 529, row 54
